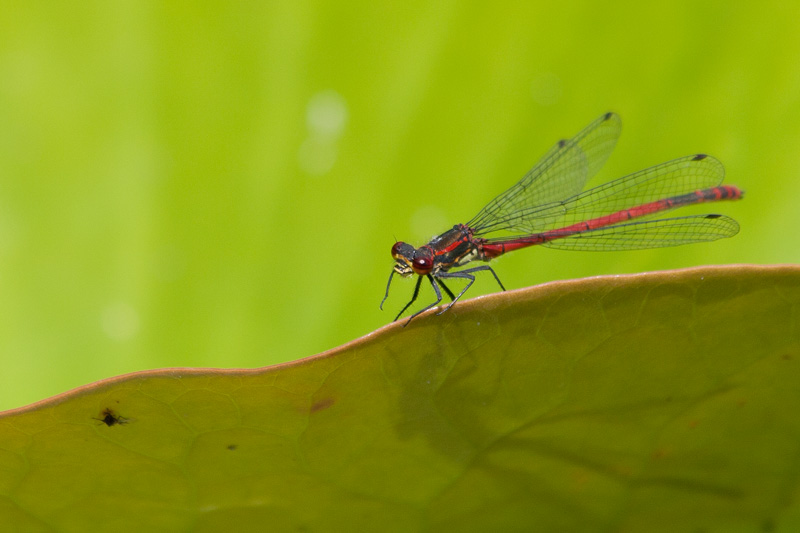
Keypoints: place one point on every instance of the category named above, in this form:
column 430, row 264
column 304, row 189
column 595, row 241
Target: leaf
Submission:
column 653, row 402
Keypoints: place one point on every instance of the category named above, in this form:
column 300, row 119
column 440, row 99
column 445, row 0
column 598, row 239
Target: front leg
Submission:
column 414, row 297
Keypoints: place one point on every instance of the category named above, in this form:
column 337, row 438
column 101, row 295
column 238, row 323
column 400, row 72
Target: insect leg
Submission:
column 434, row 304
column 413, row 297
column 446, row 290
column 468, row 275
column 387, row 290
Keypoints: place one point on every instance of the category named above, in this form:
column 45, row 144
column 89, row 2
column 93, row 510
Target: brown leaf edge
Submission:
column 462, row 308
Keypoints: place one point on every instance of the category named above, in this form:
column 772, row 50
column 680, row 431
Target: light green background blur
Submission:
column 220, row 186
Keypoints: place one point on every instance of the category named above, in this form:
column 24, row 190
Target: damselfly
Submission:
column 547, row 207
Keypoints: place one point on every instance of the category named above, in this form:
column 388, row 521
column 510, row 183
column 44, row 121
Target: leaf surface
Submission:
column 654, row 402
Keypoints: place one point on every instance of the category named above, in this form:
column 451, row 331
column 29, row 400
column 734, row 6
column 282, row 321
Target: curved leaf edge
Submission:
column 461, row 311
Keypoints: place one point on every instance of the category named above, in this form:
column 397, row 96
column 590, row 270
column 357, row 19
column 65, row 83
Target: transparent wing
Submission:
column 650, row 234
column 662, row 181
column 561, row 173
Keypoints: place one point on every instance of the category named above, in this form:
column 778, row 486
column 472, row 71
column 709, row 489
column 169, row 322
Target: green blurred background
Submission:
column 220, row 185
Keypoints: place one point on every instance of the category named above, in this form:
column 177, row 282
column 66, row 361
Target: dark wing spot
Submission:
column 608, row 115
column 699, row 157
column 713, row 216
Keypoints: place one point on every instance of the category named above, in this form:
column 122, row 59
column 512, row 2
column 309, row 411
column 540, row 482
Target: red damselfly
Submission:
column 547, row 207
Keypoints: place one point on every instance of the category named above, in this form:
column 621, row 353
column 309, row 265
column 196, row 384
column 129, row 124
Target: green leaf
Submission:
column 652, row 402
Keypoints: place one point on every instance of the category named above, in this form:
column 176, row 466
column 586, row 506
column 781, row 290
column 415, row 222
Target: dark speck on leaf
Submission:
column 110, row 418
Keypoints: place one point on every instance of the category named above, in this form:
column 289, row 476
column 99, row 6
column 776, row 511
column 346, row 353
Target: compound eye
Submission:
column 397, row 247
column 402, row 251
column 423, row 265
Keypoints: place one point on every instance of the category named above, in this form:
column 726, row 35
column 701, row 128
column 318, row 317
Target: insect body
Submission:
column 547, row 207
